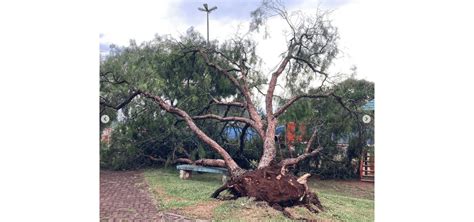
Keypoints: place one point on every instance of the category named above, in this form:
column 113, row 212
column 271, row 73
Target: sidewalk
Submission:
column 124, row 196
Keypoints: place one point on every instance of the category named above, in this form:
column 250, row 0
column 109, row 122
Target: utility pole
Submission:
column 207, row 10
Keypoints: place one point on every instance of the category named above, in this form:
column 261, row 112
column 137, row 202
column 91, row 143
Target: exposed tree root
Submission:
column 279, row 190
column 219, row 190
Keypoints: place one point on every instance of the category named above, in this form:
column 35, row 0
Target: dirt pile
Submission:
column 275, row 186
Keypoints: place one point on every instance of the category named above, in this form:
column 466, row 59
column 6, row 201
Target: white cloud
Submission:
column 352, row 21
column 139, row 20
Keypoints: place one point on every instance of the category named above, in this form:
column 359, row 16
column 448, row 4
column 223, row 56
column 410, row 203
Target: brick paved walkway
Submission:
column 124, row 196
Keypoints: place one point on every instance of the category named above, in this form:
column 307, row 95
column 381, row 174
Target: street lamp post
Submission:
column 207, row 10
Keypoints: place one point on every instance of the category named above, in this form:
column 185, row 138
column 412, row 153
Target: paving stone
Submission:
column 124, row 196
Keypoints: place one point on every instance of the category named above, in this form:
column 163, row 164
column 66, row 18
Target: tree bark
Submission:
column 293, row 161
column 203, row 162
column 223, row 119
column 211, row 162
column 269, row 148
column 184, row 160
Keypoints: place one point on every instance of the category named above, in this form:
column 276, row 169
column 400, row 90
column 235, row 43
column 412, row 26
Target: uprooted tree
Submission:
column 180, row 74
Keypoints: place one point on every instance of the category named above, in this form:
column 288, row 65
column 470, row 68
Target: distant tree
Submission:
column 336, row 123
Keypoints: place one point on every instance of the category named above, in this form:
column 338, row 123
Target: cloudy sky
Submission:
column 142, row 20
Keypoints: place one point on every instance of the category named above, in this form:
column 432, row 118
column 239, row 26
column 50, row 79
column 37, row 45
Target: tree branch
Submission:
column 230, row 163
column 220, row 69
column 263, row 94
column 272, row 84
column 311, row 141
column 290, row 102
column 184, row 160
column 238, row 104
column 224, row 119
column 211, row 162
column 306, row 154
column 242, row 139
column 309, row 65
column 293, row 161
column 214, row 101
column 104, row 78
column 124, row 103
column 339, row 100
column 203, row 162
column 243, row 89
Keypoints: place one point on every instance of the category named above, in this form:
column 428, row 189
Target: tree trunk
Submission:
column 269, row 149
column 242, row 139
column 204, row 162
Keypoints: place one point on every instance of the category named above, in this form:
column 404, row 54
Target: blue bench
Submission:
column 185, row 171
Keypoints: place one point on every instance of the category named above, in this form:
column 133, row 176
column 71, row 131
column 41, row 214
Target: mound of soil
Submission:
column 275, row 186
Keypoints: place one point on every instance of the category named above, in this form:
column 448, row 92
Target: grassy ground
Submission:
column 343, row 200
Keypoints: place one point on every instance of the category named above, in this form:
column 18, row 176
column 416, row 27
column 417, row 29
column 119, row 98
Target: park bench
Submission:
column 185, row 171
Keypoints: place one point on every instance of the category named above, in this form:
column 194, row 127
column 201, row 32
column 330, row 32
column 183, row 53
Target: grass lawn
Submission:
column 343, row 200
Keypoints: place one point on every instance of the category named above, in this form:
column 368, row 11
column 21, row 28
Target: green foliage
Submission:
column 174, row 70
column 163, row 67
column 335, row 124
column 143, row 137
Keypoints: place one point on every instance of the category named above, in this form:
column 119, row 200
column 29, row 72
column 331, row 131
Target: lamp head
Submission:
column 213, row 8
